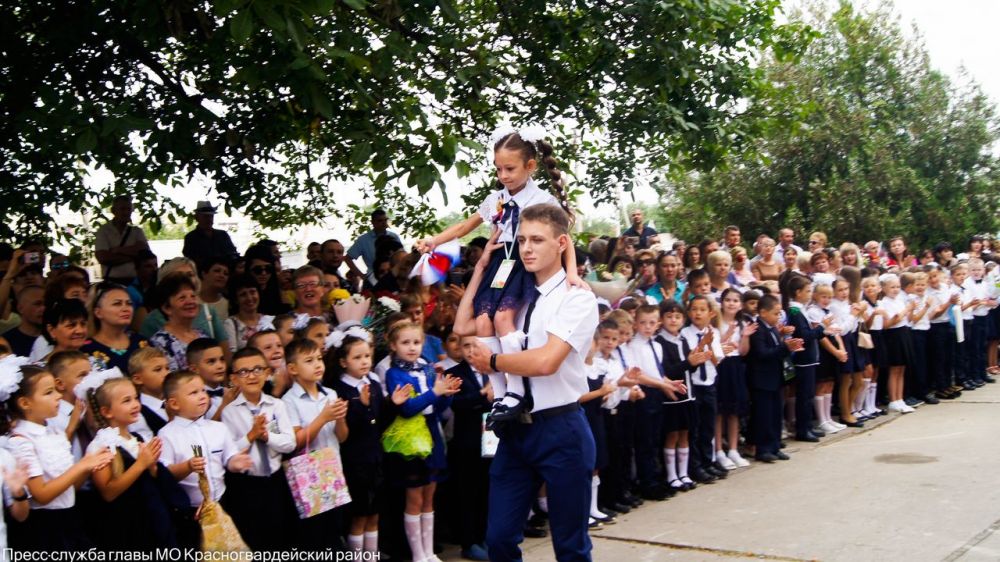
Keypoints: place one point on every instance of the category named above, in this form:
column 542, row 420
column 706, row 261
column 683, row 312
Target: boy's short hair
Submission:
column 252, row 342
column 548, row 214
column 61, row 359
column 137, row 361
column 823, row 288
column 669, row 306
column 696, row 275
column 607, row 325
column 751, row 295
column 299, row 346
column 629, row 304
column 920, row 276
column 410, row 300
column 174, row 380
column 647, row 309
column 958, row 266
column 906, row 279
column 768, row 302
column 245, row 353
column 196, row 348
column 307, row 271
column 621, row 317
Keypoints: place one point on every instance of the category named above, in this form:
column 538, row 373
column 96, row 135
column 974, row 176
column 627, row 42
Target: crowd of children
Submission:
column 709, row 361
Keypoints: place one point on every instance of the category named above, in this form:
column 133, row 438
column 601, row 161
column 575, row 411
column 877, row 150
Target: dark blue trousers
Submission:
column 940, row 346
column 649, row 437
column 962, row 354
column 559, row 452
column 916, row 373
column 702, row 430
column 977, row 359
column 805, row 391
column 765, row 420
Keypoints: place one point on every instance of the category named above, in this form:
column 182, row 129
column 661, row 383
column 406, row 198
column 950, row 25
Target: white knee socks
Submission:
column 682, row 462
column 862, row 396
column 670, row 459
column 427, row 533
column 411, row 524
column 828, row 407
column 371, row 541
column 355, row 543
column 594, row 512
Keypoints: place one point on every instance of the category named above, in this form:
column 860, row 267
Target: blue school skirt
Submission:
column 519, row 285
column 733, row 398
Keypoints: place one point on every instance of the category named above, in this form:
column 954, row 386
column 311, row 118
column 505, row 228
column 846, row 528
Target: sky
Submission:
column 957, row 34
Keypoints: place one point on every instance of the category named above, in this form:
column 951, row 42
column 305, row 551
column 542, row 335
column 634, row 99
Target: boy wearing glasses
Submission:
column 259, row 501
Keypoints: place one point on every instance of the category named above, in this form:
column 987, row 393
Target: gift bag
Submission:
column 409, row 437
column 317, row 481
column 218, row 532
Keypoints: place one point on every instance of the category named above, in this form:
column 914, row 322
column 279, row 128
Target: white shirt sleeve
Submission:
column 575, row 323
column 488, row 207
column 24, row 451
column 284, row 440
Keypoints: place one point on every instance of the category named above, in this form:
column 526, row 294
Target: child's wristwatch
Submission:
column 22, row 497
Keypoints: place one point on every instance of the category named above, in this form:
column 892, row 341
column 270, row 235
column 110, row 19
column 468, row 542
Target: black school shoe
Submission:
column 766, row 457
column 782, row 456
column 716, row 469
column 702, row 476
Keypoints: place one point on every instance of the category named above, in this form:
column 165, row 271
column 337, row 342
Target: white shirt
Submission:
column 40, row 350
column 693, row 336
column 111, row 438
column 7, row 464
column 238, row 333
column 47, row 453
column 648, row 355
column 733, row 339
column 925, row 321
column 570, row 315
column 446, row 363
column 940, row 295
column 61, row 421
column 823, row 279
column 140, row 426
column 892, row 307
column 779, row 252
column 843, row 318
column 816, row 314
column 213, row 401
column 530, row 195
column 238, row 417
column 977, row 290
column 599, row 368
column 303, row 409
column 217, row 446
column 108, row 237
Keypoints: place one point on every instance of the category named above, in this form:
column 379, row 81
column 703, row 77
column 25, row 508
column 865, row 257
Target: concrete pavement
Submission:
column 916, row 487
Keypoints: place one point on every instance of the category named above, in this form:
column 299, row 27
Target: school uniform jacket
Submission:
column 766, row 359
column 468, row 407
column 809, row 356
column 363, row 446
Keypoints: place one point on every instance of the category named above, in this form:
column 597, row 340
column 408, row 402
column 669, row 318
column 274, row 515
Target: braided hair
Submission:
column 532, row 151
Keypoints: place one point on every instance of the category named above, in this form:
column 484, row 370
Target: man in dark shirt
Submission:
column 205, row 241
column 30, row 306
column 646, row 235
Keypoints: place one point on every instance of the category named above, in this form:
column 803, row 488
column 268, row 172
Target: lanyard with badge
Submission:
column 507, row 264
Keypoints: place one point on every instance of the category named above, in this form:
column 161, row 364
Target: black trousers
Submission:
column 626, row 430
column 613, row 476
column 765, row 420
column 262, row 510
column 940, row 354
column 468, row 487
column 805, row 391
column 963, row 354
column 649, row 437
column 977, row 359
column 916, row 373
column 703, row 427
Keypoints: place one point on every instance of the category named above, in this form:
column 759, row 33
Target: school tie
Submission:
column 261, row 448
column 513, row 212
column 702, row 370
column 656, row 357
column 215, row 392
column 532, row 299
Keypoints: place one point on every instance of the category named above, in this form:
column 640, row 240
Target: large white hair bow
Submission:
column 10, row 375
column 336, row 337
column 94, row 380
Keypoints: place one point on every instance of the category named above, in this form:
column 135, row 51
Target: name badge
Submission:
column 503, row 273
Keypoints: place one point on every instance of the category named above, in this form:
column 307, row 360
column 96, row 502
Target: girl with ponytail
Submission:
column 135, row 512
column 517, row 155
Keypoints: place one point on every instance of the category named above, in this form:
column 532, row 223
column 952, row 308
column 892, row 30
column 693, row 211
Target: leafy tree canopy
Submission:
column 277, row 103
column 867, row 141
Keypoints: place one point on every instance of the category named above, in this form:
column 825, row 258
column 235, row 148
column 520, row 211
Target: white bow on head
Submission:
column 528, row 133
column 336, row 337
column 10, row 375
column 94, row 380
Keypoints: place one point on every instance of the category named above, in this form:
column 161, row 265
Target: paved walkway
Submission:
column 918, row 487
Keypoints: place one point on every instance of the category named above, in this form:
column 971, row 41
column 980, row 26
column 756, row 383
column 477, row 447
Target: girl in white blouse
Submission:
column 53, row 476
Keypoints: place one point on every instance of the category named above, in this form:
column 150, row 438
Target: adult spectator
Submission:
column 205, row 241
column 768, row 267
column 899, row 256
column 645, row 264
column 30, row 307
column 786, row 239
column 730, row 238
column 332, row 257
column 261, row 265
column 364, row 246
column 817, row 241
column 112, row 342
column 312, row 253
column 668, row 285
column 118, row 243
column 214, row 273
column 647, row 235
column 180, row 309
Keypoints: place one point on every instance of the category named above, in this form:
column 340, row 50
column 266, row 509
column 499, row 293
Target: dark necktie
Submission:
column 656, row 357
column 513, row 212
column 262, row 455
column 215, row 392
column 532, row 299
column 702, row 370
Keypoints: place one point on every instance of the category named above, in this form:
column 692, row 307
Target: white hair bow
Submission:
column 528, row 133
column 10, row 375
column 336, row 337
column 94, row 380
column 301, row 321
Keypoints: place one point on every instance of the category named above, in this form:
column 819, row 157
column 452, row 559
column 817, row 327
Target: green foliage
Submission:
column 865, row 141
column 171, row 231
column 283, row 105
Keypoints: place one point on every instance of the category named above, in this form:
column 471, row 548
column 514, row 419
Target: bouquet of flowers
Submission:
column 609, row 285
column 375, row 322
column 349, row 308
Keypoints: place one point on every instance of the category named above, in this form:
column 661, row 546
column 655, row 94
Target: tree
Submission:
column 867, row 141
column 277, row 103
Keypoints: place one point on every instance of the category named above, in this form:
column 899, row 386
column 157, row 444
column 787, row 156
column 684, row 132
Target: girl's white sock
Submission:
column 355, row 543
column 670, row 458
column 594, row 512
column 682, row 462
column 411, row 524
column 828, row 407
column 512, row 343
column 543, row 502
column 859, row 400
column 872, row 397
column 427, row 533
column 371, row 541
